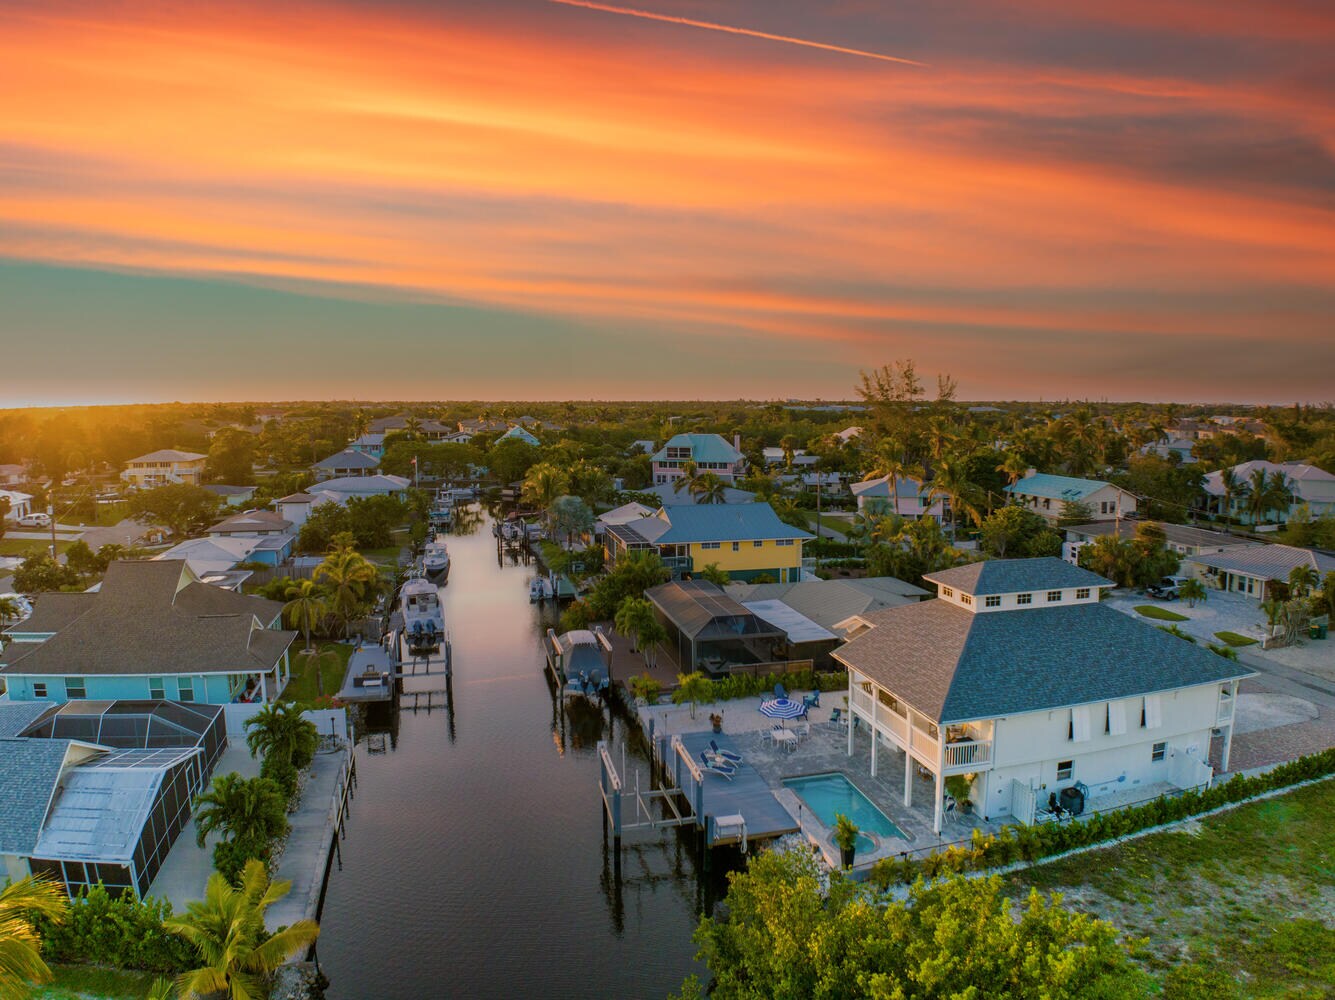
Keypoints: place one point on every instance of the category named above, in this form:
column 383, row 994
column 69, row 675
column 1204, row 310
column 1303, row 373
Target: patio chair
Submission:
column 780, row 691
column 714, row 766
column 837, row 718
column 803, row 730
column 811, row 700
column 730, row 756
column 949, row 812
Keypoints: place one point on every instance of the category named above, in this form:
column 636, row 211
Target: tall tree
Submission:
column 181, row 508
column 951, row 481
column 351, row 581
column 305, row 607
column 278, row 730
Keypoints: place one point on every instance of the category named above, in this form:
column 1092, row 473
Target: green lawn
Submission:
column 333, row 665
column 1233, row 639
column 81, row 982
column 827, row 520
column 24, row 547
column 1246, row 894
column 1162, row 614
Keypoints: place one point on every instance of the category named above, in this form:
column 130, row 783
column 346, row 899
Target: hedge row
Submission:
column 124, row 933
column 1030, row 843
column 743, row 685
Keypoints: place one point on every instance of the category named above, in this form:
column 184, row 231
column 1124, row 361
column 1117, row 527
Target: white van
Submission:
column 35, row 520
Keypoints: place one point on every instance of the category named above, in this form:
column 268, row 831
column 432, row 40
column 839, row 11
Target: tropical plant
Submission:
column 249, row 813
column 712, row 573
column 708, row 488
column 646, row 688
column 1014, row 467
column 845, row 832
column 1193, row 591
column 227, row 929
column 305, row 607
column 350, row 580
column 9, row 610
column 1303, row 580
column 279, row 730
column 694, row 687
column 1234, row 488
column 543, row 483
column 1266, row 493
column 951, row 481
column 22, row 904
column 649, row 637
column 570, row 516
column 631, row 617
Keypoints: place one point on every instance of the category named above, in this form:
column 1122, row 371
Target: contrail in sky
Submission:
column 673, row 19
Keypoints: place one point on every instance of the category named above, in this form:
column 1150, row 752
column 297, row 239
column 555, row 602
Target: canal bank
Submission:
column 474, row 862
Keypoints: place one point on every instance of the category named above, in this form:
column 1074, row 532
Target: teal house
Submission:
column 152, row 632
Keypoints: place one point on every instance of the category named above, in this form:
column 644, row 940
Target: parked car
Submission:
column 1167, row 589
column 35, row 520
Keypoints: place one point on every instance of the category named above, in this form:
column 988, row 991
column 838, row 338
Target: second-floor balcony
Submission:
column 678, row 564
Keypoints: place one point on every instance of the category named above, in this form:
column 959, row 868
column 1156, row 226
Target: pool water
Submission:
column 828, row 795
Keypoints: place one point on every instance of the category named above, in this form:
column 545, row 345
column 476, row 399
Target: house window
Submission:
column 1158, row 751
column 75, row 688
column 709, row 545
column 1082, row 594
column 966, row 599
column 947, row 592
column 1024, row 598
column 992, row 601
column 1065, row 768
column 784, row 541
column 737, row 546
column 185, row 688
column 1054, row 596
column 39, row 689
column 756, row 545
column 157, row 689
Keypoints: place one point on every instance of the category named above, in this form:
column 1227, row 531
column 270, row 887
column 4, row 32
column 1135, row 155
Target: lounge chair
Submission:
column 811, row 700
column 730, row 756
column 780, row 691
column 715, row 766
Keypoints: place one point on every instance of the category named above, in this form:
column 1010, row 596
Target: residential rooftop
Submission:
column 1014, row 576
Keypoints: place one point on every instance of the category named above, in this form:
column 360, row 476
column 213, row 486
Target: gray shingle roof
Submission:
column 1272, row 562
column 955, row 666
column 829, row 602
column 29, row 770
column 1181, row 534
column 151, row 617
column 348, row 459
column 1013, row 576
column 16, row 716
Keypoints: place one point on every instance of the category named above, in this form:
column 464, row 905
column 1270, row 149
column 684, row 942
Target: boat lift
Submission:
column 679, row 808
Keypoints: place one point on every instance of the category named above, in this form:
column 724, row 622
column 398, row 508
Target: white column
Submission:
column 851, row 716
column 264, row 688
column 940, row 775
column 1228, row 735
column 940, row 792
column 908, row 772
column 875, row 701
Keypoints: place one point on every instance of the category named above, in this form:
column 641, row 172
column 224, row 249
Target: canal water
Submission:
column 474, row 861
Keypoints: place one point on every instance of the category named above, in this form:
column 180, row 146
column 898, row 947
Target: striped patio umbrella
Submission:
column 782, row 708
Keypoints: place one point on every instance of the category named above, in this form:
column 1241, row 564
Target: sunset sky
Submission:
column 552, row 200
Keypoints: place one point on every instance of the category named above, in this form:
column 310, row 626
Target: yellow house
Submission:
column 746, row 540
column 158, row 468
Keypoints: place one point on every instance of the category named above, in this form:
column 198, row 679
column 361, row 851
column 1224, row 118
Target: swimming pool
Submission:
column 827, row 795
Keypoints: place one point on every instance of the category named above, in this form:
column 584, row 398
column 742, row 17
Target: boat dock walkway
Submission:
column 747, row 796
column 370, row 676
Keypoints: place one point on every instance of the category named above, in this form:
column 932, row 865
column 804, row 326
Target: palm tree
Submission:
column 1302, row 579
column 708, row 488
column 9, row 608
column 543, row 484
column 649, row 637
column 351, row 579
column 1014, row 467
column 412, row 427
column 278, row 730
column 250, row 811
column 694, row 687
column 305, row 607
column 712, row 573
column 360, row 423
column 20, row 946
column 688, row 472
column 1192, row 591
column 951, row 481
column 1266, row 493
column 1234, row 488
column 789, row 447
column 227, row 929
column 631, row 615
column 891, row 464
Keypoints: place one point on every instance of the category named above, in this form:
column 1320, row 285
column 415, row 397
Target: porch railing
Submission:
column 968, row 753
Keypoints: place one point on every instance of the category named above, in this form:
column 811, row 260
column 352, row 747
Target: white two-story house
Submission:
column 1017, row 676
column 1047, row 496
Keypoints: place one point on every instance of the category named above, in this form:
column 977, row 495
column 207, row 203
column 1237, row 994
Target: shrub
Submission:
column 230, row 856
column 282, row 772
column 125, row 933
column 1198, row 982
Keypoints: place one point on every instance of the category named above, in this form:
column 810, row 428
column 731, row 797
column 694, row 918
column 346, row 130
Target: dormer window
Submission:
column 947, row 592
column 1054, row 596
column 1082, row 594
column 992, row 601
column 966, row 599
column 1024, row 598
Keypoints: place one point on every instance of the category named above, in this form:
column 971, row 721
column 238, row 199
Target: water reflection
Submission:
column 474, row 864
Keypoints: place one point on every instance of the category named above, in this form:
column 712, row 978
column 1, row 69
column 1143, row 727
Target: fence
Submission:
column 769, row 668
column 328, row 721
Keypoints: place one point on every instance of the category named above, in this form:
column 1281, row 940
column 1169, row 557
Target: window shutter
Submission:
column 1153, row 712
column 1116, row 718
column 1080, row 724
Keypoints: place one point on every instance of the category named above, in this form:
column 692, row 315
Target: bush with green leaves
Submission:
column 1030, row 843
column 123, row 932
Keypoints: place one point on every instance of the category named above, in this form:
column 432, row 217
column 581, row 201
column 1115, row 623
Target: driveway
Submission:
column 1221, row 613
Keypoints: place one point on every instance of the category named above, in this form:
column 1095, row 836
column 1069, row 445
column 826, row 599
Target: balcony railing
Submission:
column 969, row 753
column 678, row 564
column 1225, row 713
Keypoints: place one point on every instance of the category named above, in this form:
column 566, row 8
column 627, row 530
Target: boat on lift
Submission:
column 578, row 661
column 436, row 561
column 540, row 589
column 423, row 618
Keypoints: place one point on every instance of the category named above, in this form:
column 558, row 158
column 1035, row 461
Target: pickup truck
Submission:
column 1167, row 589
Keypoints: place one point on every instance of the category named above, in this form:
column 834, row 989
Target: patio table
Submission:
column 786, row 737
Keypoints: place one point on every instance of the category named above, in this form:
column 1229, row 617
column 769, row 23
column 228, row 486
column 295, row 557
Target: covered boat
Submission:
column 423, row 619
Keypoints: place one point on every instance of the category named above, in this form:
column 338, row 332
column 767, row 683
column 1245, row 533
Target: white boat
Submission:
column 436, row 561
column 540, row 589
column 578, row 662
column 423, row 619
column 513, row 531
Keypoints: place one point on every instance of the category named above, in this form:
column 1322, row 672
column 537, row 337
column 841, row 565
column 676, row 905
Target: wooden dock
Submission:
column 370, row 676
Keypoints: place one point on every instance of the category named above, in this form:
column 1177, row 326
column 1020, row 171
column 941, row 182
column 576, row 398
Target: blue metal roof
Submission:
column 724, row 522
column 29, row 770
column 1065, row 488
column 704, row 448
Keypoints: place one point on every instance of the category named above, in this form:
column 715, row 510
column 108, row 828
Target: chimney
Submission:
column 737, row 443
